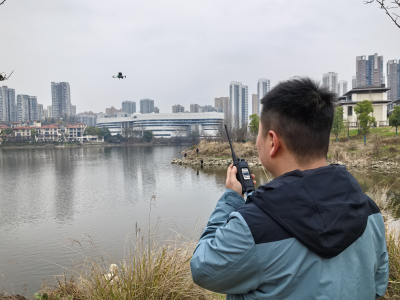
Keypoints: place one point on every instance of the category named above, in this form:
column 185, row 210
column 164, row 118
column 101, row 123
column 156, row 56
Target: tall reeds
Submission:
column 149, row 271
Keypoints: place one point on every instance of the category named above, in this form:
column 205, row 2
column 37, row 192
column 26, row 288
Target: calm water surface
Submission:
column 50, row 196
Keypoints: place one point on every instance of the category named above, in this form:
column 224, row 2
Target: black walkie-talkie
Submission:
column 243, row 172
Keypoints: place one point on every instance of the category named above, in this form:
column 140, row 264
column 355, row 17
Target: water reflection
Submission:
column 52, row 194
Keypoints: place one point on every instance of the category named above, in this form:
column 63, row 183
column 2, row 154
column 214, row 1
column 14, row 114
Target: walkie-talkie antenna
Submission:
column 230, row 143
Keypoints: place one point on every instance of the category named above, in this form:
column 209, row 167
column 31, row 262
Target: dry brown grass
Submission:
column 245, row 150
column 385, row 203
column 159, row 271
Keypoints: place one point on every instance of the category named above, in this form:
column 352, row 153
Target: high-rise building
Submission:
column 375, row 74
column 61, row 99
column 156, row 110
column 223, row 104
column 238, row 101
column 129, row 107
column 178, row 109
column 354, row 82
column 254, row 104
column 7, row 104
column 112, row 111
column 85, row 119
column 369, row 72
column 27, row 108
column 49, row 111
column 73, row 110
column 208, row 108
column 195, row 108
column 342, row 87
column 393, row 77
column 146, row 106
column 330, row 81
column 263, row 87
column 40, row 111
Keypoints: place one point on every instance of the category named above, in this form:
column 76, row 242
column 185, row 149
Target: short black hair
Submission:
column 301, row 111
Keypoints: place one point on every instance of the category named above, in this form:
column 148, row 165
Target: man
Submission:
column 311, row 233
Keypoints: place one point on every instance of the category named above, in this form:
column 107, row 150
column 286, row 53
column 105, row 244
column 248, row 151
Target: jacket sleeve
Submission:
column 225, row 259
column 382, row 274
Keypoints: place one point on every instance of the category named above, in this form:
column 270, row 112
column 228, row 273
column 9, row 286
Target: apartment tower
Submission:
column 61, row 99
column 330, row 81
column 342, row 87
column 254, row 104
column 27, row 108
column 263, row 87
column 7, row 105
column 238, row 102
column 369, row 72
column 146, row 106
column 129, row 107
column 393, row 77
column 223, row 104
column 178, row 109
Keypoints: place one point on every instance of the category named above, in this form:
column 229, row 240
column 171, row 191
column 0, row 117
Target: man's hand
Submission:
column 231, row 181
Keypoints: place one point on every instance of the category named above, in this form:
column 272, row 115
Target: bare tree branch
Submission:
column 387, row 7
column 3, row 2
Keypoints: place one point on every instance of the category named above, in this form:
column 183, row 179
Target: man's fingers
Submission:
column 253, row 176
column 254, row 182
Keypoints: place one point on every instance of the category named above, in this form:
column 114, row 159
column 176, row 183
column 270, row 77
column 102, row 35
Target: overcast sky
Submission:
column 182, row 51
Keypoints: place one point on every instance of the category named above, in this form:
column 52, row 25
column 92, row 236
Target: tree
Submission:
column 338, row 125
column 394, row 119
column 120, row 137
column 91, row 130
column 105, row 132
column 148, row 136
column 8, row 130
column 388, row 7
column 33, row 133
column 194, row 136
column 254, row 123
column 362, row 110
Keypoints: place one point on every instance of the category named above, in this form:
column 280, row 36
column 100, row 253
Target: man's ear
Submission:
column 275, row 143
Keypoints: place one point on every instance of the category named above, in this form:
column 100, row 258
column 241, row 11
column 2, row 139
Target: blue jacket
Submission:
column 305, row 235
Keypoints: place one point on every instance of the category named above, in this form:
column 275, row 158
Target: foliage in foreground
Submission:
column 161, row 271
column 382, row 198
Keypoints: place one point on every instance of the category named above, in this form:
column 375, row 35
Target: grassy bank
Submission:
column 162, row 271
column 382, row 144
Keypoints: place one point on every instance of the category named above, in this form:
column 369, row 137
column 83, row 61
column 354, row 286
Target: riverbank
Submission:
column 162, row 271
column 86, row 145
column 380, row 155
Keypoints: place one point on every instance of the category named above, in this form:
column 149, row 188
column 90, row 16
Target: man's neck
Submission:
column 289, row 165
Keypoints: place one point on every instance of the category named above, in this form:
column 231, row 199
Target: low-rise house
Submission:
column 73, row 132
column 82, row 125
column 36, row 123
column 376, row 94
column 16, row 124
column 22, row 133
column 48, row 133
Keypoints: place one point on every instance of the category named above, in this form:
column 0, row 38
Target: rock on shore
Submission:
column 213, row 162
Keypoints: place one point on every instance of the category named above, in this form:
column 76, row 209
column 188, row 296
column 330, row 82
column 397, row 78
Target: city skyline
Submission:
column 183, row 54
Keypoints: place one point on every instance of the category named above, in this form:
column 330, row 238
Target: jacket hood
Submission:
column 325, row 208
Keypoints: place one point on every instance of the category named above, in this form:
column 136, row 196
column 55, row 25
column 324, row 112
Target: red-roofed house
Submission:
column 48, row 133
column 73, row 132
column 22, row 133
column 16, row 124
column 82, row 125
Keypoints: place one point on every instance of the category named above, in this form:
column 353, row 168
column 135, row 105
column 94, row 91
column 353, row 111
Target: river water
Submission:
column 50, row 197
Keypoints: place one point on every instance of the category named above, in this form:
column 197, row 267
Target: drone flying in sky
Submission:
column 119, row 76
column 4, row 77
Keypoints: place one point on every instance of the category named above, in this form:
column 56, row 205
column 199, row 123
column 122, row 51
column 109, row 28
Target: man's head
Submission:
column 295, row 124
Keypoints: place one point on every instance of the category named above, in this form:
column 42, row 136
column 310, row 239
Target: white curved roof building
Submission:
column 166, row 125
